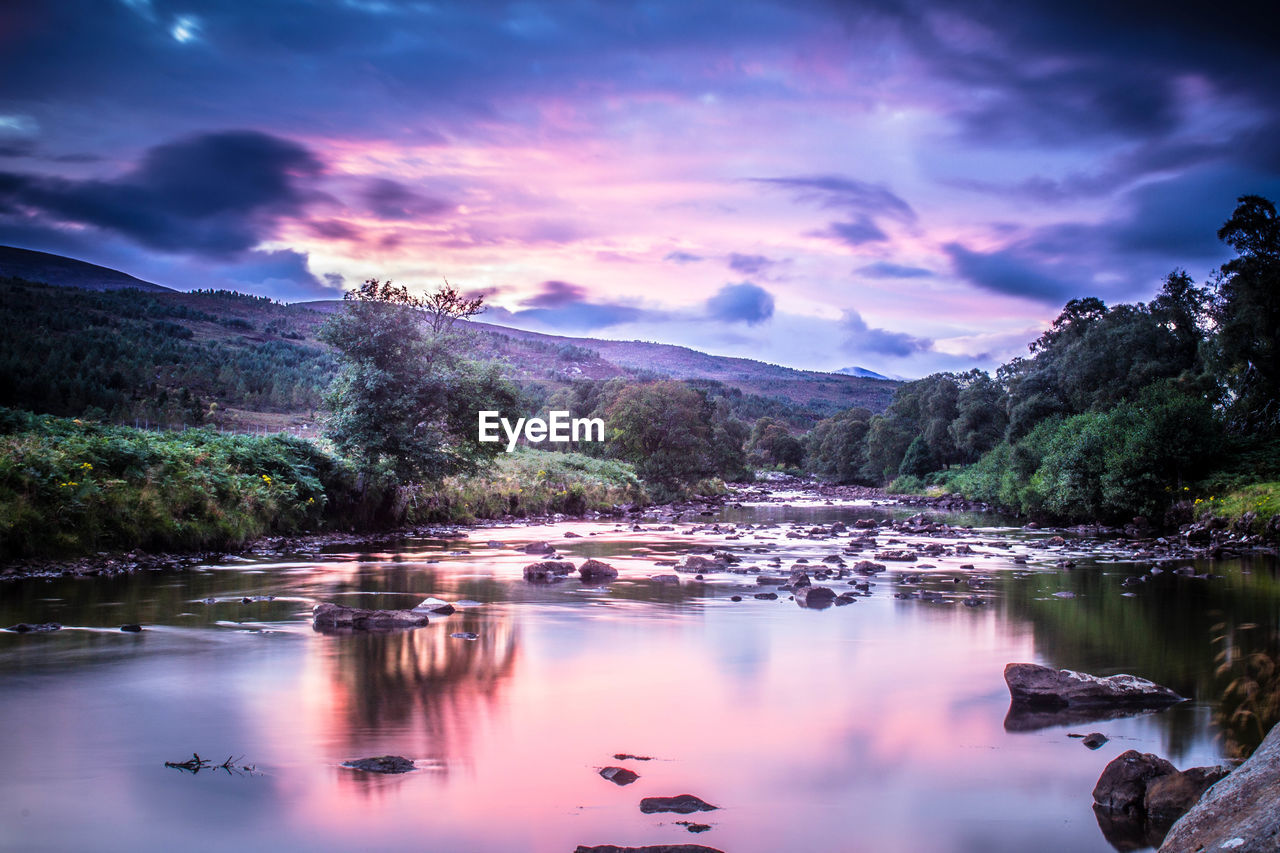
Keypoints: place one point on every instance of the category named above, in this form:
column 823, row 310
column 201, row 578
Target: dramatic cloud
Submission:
column 557, row 294
column 1005, row 271
column 749, row 264
column 214, row 195
column 861, row 338
column 885, row 269
column 741, row 303
column 388, row 199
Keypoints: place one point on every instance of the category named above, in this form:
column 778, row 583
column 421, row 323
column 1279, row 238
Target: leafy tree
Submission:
column 773, row 444
column 1246, row 309
column 919, row 459
column 664, row 429
column 406, row 399
column 980, row 420
column 837, row 446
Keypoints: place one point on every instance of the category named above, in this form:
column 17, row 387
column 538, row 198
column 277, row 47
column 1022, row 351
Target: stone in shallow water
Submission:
column 653, row 848
column 680, row 804
column 35, row 628
column 547, row 570
column 336, row 617
column 814, row 597
column 381, row 764
column 1039, row 686
column 597, row 570
column 1094, row 740
column 619, row 775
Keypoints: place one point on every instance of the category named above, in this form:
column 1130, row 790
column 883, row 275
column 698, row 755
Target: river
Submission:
column 876, row 726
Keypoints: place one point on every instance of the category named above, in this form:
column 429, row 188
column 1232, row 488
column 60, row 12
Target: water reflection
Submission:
column 880, row 724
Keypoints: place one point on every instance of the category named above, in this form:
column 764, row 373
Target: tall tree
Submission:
column 406, row 400
column 1246, row 310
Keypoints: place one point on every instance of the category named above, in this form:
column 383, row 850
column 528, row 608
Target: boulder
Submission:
column 814, row 597
column 680, row 804
column 699, row 563
column 1238, row 813
column 336, row 617
column 381, row 764
column 539, row 548
column 1169, row 797
column 595, row 570
column 901, row 556
column 547, row 570
column 770, row 580
column 1122, row 787
column 1032, row 685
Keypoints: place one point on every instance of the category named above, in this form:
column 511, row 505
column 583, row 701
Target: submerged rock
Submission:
column 35, row 628
column 1041, row 687
column 596, row 570
column 1093, row 740
column 336, row 617
column 131, row 628
column 680, row 804
column 381, row 764
column 1237, row 813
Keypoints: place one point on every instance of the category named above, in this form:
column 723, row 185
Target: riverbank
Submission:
column 71, row 489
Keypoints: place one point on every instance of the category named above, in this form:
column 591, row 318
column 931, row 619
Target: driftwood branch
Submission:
column 195, row 764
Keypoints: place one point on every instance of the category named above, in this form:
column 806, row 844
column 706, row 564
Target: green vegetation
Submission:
column 531, row 483
column 68, row 487
column 1118, row 411
column 126, row 355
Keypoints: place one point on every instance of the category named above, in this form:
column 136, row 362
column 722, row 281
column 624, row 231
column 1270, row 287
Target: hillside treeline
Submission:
column 1117, row 410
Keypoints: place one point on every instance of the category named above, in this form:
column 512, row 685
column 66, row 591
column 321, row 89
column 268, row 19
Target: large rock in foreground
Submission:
column 335, row 617
column 1031, row 685
column 1122, row 787
column 1238, row 813
column 1140, row 795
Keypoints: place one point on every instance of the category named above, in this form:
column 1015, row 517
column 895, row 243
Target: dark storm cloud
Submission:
column 215, row 195
column 557, row 294
column 861, row 338
column 388, row 199
column 741, row 303
column 1010, row 272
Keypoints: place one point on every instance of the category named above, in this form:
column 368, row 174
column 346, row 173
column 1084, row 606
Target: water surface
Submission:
column 880, row 725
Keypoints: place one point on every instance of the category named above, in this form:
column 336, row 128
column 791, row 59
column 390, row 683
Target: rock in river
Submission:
column 1238, row 813
column 680, row 804
column 329, row 616
column 1122, row 787
column 547, row 570
column 381, row 764
column 1039, row 686
column 619, row 775
column 815, row 597
column 539, row 548
column 595, row 570
column 39, row 628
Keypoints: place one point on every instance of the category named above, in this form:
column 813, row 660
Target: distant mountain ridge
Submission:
column 237, row 324
column 68, row 272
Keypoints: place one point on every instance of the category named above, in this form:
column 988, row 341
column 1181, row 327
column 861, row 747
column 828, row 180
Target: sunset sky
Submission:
column 905, row 186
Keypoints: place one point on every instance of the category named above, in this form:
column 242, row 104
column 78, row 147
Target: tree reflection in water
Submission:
column 417, row 693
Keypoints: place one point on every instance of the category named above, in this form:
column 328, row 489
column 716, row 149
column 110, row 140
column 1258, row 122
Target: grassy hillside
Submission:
column 67, row 272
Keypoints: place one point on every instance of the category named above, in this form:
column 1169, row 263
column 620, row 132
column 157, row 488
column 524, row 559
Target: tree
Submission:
column 1246, row 310
column 664, row 429
column 406, row 400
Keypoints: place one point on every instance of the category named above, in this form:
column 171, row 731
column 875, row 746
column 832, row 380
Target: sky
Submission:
column 903, row 186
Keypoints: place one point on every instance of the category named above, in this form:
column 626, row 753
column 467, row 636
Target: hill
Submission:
column 145, row 354
column 67, row 272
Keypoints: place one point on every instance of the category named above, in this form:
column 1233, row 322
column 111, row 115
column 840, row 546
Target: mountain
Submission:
column 68, row 272
column 160, row 356
column 863, row 372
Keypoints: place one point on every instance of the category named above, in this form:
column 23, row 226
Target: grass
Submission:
column 531, row 483
column 71, row 487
